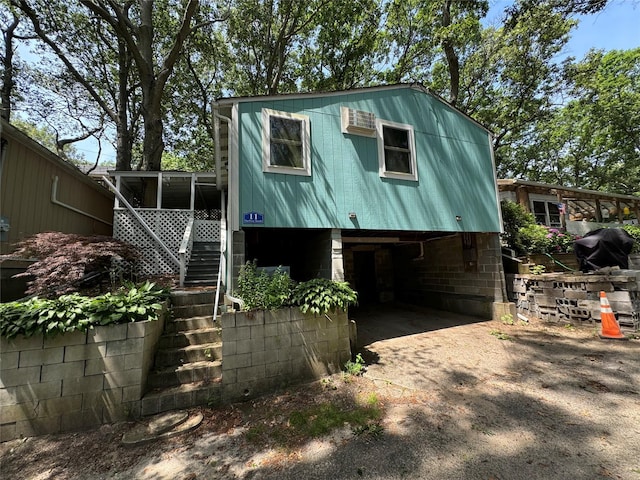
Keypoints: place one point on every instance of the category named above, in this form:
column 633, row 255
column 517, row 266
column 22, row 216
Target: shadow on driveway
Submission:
column 386, row 321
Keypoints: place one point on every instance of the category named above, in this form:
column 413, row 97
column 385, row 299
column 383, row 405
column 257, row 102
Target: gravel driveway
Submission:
column 462, row 399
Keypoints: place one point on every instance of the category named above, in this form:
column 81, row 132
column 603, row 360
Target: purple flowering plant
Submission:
column 559, row 241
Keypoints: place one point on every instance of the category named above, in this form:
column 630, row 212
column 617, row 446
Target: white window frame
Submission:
column 305, row 170
column 413, row 176
column 546, row 199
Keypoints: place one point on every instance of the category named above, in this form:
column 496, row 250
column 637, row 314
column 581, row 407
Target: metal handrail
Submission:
column 222, row 266
column 184, row 246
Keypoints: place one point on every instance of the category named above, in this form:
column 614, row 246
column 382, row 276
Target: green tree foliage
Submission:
column 345, row 48
column 429, row 39
column 149, row 70
column 606, row 91
column 46, row 137
column 512, row 81
column 120, row 55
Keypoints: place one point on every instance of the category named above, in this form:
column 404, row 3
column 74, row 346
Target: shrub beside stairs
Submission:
column 188, row 363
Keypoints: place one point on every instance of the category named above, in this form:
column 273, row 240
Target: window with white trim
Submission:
column 285, row 143
column 396, row 150
column 546, row 210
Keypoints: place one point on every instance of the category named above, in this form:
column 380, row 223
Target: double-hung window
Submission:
column 396, row 150
column 285, row 143
column 546, row 211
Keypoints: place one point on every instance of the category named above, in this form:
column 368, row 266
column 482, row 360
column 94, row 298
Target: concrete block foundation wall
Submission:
column 575, row 297
column 76, row 380
column 266, row 350
column 453, row 278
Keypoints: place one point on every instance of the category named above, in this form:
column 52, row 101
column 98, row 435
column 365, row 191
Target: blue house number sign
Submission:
column 252, row 217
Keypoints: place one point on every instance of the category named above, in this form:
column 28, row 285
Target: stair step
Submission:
column 187, row 373
column 190, row 311
column 206, row 352
column 182, row 396
column 205, row 254
column 200, row 278
column 205, row 247
column 202, row 267
column 191, row 337
column 193, row 323
column 203, row 282
column 181, row 298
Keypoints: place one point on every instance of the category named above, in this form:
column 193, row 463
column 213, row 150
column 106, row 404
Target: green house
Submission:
column 390, row 188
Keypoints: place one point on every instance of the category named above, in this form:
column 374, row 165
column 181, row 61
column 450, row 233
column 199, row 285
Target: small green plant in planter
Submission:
column 260, row 290
column 322, row 295
column 537, row 269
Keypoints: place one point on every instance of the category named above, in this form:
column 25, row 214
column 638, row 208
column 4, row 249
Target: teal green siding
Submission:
column 455, row 171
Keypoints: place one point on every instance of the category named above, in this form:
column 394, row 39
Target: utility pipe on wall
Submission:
column 55, row 201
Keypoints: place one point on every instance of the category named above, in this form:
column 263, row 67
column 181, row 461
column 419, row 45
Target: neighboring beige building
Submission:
column 40, row 192
column 578, row 210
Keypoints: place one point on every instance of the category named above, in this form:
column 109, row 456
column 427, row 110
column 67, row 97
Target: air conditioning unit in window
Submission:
column 358, row 122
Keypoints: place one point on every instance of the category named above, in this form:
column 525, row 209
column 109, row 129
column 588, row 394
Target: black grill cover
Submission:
column 605, row 247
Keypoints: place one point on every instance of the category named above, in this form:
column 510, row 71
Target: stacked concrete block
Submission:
column 265, row 350
column 442, row 279
column 575, row 297
column 75, row 380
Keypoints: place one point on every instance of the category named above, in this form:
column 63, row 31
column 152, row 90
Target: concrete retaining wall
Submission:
column 575, row 298
column 76, row 380
column 265, row 350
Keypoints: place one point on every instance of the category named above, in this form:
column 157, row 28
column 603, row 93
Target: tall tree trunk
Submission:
column 452, row 58
column 153, row 144
column 123, row 128
column 7, row 77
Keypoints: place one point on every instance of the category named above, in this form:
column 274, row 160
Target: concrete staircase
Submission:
column 203, row 264
column 188, row 367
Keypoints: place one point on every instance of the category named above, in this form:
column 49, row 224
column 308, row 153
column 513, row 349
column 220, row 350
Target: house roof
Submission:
column 18, row 135
column 513, row 183
column 225, row 101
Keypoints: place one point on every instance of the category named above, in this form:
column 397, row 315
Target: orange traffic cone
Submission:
column 610, row 327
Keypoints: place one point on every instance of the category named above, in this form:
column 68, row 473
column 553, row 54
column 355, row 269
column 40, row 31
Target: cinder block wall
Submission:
column 575, row 297
column 452, row 279
column 75, row 380
column 265, row 350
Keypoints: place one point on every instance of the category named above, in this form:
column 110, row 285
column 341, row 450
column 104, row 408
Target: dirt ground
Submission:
column 460, row 398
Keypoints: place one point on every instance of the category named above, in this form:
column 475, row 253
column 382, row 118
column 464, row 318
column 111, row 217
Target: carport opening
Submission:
column 306, row 254
column 414, row 283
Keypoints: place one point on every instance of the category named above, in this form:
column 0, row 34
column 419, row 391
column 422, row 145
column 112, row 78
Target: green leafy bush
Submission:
column 262, row 291
column 72, row 312
column 321, row 295
column 533, row 239
column 634, row 231
column 514, row 217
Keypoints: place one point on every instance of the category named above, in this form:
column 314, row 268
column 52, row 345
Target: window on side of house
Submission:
column 396, row 150
column 546, row 212
column 285, row 143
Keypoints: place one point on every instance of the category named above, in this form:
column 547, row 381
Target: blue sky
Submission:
column 617, row 27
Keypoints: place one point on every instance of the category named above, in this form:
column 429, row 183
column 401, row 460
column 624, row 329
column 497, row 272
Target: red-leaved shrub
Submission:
column 65, row 258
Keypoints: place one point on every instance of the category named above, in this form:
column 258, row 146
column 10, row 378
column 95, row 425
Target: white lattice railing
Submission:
column 206, row 231
column 169, row 227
